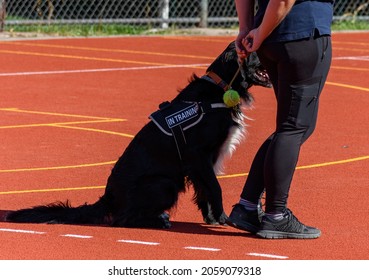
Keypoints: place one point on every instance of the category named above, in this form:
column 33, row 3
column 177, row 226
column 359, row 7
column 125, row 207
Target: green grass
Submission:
column 87, row 30
column 78, row 29
column 350, row 25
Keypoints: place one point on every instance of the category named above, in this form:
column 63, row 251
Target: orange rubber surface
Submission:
column 69, row 107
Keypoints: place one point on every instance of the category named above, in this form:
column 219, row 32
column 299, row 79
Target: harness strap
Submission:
column 177, row 131
column 180, row 139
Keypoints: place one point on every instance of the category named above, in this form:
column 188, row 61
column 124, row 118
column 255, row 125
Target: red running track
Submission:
column 69, row 107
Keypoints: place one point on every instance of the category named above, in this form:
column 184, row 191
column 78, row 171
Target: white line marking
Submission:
column 77, row 236
column 21, row 231
column 138, row 242
column 202, row 248
column 100, row 70
column 267, row 256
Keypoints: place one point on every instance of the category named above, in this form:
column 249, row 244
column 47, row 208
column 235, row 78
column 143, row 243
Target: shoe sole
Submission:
column 270, row 234
column 242, row 226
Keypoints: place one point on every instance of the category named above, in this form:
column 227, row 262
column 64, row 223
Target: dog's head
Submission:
column 251, row 71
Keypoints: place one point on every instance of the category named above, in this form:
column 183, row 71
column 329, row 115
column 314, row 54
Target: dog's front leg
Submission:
column 209, row 217
column 208, row 193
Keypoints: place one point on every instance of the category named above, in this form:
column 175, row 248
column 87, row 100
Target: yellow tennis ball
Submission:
column 231, row 98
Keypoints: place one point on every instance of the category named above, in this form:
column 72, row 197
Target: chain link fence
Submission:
column 151, row 14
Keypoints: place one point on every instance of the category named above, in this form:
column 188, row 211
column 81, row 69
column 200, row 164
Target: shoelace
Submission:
column 293, row 224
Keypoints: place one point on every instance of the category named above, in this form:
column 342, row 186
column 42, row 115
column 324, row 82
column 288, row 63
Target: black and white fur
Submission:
column 146, row 180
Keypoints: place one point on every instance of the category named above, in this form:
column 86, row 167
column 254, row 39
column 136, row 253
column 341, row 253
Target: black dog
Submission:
column 184, row 144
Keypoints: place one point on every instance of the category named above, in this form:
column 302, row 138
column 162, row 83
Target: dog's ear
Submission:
column 230, row 52
column 226, row 65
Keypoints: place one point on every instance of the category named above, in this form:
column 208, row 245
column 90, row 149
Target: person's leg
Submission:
column 246, row 215
column 298, row 80
column 254, row 185
column 302, row 74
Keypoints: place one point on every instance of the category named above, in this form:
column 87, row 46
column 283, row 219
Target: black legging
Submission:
column 298, row 71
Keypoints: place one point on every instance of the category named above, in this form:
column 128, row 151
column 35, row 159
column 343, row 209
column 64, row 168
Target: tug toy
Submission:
column 231, row 98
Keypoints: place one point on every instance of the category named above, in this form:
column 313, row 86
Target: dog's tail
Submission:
column 61, row 213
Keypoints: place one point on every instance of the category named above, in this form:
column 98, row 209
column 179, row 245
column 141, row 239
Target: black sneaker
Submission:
column 288, row 227
column 245, row 219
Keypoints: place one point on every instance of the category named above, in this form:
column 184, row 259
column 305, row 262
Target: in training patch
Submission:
column 182, row 116
column 169, row 116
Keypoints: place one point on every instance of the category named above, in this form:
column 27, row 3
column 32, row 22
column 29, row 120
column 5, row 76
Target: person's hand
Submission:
column 240, row 49
column 252, row 41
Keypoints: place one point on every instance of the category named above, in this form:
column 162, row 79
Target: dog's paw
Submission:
column 223, row 218
column 164, row 218
column 211, row 220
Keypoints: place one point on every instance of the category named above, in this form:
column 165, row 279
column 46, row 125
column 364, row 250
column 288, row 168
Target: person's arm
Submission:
column 245, row 13
column 276, row 11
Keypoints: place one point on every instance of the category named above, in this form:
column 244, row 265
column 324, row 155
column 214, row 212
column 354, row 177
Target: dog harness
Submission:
column 174, row 118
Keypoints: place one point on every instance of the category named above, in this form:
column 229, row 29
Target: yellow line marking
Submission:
column 97, row 59
column 99, row 119
column 67, row 125
column 219, row 177
column 323, row 164
column 59, row 124
column 57, row 167
column 334, row 162
column 163, row 53
column 232, row 175
column 110, row 50
column 347, row 86
column 94, row 130
column 55, row 114
column 52, row 190
column 84, row 58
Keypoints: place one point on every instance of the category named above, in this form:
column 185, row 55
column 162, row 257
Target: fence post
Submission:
column 204, row 5
column 2, row 15
column 164, row 11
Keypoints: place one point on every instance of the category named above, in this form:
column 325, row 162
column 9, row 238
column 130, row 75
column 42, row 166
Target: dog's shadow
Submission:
column 180, row 227
column 205, row 229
